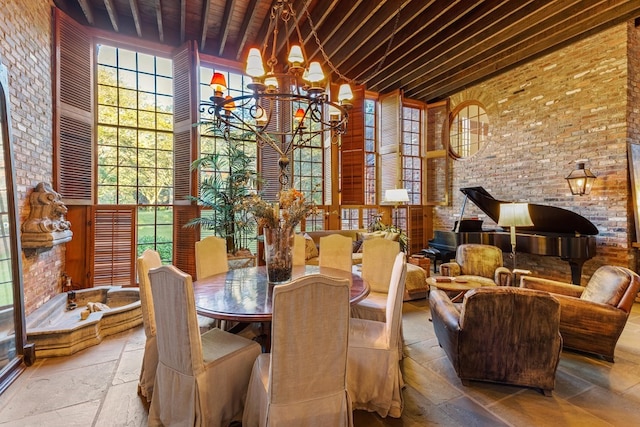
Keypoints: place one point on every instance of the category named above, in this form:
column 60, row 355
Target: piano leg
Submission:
column 576, row 269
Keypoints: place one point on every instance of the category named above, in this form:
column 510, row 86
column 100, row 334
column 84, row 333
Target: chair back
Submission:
column 211, row 257
column 309, row 339
column 478, row 260
column 335, row 252
column 394, row 300
column 299, row 253
column 178, row 335
column 613, row 285
column 148, row 260
column 378, row 257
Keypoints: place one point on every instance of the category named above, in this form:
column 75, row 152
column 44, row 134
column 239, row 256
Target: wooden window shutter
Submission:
column 437, row 158
column 185, row 115
column 73, row 113
column 419, row 228
column 185, row 238
column 113, row 243
column 352, row 162
column 390, row 135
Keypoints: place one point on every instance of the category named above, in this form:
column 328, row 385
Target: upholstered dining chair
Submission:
column 373, row 368
column 378, row 256
column 592, row 317
column 335, row 252
column 299, row 246
column 480, row 263
column 211, row 256
column 200, row 380
column 145, row 262
column 500, row 334
column 303, row 382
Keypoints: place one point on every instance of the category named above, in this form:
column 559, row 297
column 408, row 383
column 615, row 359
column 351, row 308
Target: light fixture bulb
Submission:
column 255, row 67
column 218, row 84
column 299, row 115
column 261, row 117
column 271, row 82
column 229, row 105
column 345, row 94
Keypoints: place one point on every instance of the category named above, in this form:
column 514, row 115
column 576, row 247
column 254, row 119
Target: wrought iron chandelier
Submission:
column 289, row 105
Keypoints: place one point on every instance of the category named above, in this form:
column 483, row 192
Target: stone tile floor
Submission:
column 97, row 387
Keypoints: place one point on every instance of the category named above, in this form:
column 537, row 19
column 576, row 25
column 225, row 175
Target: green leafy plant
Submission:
column 378, row 225
column 227, row 179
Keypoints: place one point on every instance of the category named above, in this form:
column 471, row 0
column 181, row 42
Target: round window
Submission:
column 468, row 129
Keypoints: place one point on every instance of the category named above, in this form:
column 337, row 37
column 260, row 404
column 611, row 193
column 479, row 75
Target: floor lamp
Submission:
column 396, row 196
column 514, row 215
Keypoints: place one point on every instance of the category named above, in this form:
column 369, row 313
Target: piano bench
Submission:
column 434, row 256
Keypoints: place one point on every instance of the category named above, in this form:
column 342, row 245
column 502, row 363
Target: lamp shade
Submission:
column 218, row 83
column 295, row 56
column 315, row 74
column 397, row 195
column 255, row 67
column 580, row 180
column 345, row 94
column 514, row 215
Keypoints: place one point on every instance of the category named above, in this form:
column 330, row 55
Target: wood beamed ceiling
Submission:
column 429, row 49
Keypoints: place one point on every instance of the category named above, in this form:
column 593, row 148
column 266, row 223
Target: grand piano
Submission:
column 556, row 232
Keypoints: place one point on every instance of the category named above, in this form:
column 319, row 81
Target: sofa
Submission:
column 415, row 285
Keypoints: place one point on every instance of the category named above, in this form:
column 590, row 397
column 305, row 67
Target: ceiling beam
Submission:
column 224, row 26
column 249, row 15
column 206, row 7
column 183, row 19
column 113, row 14
column 159, row 20
column 87, row 10
column 135, row 14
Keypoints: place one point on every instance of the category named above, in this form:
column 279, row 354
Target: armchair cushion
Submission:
column 478, row 261
column 607, row 286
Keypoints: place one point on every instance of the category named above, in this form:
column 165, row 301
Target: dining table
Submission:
column 244, row 295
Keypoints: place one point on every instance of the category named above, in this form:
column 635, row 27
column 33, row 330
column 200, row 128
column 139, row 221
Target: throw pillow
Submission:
column 310, row 248
column 356, row 246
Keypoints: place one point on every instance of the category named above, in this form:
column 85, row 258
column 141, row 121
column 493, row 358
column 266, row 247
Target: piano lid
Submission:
column 546, row 219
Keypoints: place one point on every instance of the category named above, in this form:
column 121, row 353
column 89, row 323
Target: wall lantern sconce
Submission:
column 580, row 180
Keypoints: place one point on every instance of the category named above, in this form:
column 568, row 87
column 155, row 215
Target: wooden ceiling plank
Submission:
column 367, row 40
column 113, row 14
column 87, row 10
column 298, row 8
column 224, row 27
column 265, row 30
column 358, row 66
column 493, row 47
column 135, row 14
column 525, row 51
column 183, row 20
column 206, row 7
column 249, row 15
column 158, row 6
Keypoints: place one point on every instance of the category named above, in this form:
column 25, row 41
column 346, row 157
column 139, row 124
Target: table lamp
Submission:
column 514, row 215
column 396, row 196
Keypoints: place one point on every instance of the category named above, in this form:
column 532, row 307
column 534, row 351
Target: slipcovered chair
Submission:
column 145, row 262
column 374, row 379
column 592, row 317
column 211, row 257
column 303, row 382
column 201, row 380
column 335, row 252
column 378, row 256
column 299, row 249
column 480, row 263
column 502, row 334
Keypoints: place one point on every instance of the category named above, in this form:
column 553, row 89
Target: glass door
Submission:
column 12, row 327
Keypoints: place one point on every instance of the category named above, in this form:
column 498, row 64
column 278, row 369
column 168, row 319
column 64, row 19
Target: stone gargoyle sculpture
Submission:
column 46, row 225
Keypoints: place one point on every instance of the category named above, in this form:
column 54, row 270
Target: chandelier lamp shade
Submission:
column 289, row 104
column 580, row 179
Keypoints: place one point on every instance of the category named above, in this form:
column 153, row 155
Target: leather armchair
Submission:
column 480, row 263
column 502, row 334
column 592, row 318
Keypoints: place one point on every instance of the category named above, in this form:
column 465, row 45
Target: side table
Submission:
column 453, row 286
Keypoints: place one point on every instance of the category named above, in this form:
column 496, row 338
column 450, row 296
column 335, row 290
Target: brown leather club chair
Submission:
column 504, row 335
column 592, row 317
column 480, row 263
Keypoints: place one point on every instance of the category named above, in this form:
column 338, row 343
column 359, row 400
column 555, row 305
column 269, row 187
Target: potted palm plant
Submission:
column 227, row 178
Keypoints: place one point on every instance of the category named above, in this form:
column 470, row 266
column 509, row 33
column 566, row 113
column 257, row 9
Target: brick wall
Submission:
column 571, row 104
column 25, row 48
